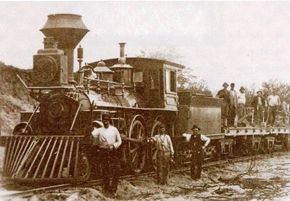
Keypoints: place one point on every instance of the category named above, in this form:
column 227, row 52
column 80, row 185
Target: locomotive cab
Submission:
column 154, row 80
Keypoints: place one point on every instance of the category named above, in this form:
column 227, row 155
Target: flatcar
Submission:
column 53, row 142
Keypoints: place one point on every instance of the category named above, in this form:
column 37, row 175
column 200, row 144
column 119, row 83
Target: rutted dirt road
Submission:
column 267, row 179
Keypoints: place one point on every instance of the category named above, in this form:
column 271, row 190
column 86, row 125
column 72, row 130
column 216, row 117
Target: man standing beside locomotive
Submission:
column 198, row 143
column 165, row 153
column 109, row 140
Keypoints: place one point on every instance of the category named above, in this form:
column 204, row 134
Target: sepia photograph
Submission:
column 144, row 100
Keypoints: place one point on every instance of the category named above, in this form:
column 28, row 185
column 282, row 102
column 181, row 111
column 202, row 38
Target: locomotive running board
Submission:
column 41, row 158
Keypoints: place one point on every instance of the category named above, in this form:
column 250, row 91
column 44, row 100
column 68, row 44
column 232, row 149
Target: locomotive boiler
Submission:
column 53, row 142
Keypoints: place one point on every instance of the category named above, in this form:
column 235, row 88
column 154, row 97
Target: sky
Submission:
column 242, row 42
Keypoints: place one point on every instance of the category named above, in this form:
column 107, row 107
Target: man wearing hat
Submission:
column 233, row 105
column 274, row 102
column 198, row 142
column 259, row 107
column 165, row 154
column 108, row 140
column 225, row 95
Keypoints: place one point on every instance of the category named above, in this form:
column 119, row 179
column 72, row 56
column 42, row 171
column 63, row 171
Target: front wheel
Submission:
column 137, row 153
column 152, row 150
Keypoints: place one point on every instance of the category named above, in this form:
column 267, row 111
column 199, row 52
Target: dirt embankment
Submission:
column 13, row 96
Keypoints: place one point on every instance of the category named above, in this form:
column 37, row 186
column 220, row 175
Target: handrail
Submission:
column 30, row 118
column 75, row 117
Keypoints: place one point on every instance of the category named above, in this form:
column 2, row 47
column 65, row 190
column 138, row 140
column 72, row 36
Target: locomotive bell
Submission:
column 68, row 30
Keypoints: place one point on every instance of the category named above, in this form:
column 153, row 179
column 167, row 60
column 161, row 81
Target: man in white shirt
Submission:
column 165, row 153
column 233, row 105
column 273, row 103
column 108, row 140
column 198, row 143
column 241, row 102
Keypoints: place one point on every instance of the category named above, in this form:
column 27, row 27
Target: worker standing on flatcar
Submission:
column 241, row 102
column 198, row 142
column 225, row 95
column 259, row 107
column 165, row 153
column 109, row 140
column 273, row 103
column 233, row 105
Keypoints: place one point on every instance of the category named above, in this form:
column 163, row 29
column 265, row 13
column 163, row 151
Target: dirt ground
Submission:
column 267, row 179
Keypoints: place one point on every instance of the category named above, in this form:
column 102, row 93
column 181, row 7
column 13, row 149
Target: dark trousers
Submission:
column 232, row 115
column 224, row 114
column 259, row 112
column 272, row 115
column 110, row 165
column 163, row 161
column 196, row 165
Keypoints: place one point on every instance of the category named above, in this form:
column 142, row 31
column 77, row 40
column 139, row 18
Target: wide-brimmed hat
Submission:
column 259, row 91
column 98, row 123
column 195, row 127
column 225, row 84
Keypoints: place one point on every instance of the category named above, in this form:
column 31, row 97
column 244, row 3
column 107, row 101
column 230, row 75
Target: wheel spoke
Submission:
column 154, row 131
column 134, row 157
column 137, row 156
column 134, row 150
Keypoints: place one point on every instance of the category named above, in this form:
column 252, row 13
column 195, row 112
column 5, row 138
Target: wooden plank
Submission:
column 29, row 140
column 48, row 160
column 70, row 155
column 24, row 142
column 63, row 157
column 56, row 157
column 42, row 158
column 35, row 157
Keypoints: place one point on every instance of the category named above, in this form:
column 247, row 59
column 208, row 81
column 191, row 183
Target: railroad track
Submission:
column 31, row 192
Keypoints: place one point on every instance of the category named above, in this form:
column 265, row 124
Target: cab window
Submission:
column 170, row 79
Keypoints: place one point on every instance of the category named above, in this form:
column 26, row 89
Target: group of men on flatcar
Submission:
column 108, row 140
column 265, row 108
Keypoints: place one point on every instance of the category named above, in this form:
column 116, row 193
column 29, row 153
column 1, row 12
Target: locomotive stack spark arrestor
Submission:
column 68, row 30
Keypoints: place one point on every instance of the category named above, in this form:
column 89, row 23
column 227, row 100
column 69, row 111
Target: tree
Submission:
column 282, row 89
column 186, row 80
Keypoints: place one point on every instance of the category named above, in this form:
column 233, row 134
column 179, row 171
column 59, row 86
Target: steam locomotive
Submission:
column 53, row 142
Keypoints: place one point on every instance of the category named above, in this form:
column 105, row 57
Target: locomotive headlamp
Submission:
column 80, row 53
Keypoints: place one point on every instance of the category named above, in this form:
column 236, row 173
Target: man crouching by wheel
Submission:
column 108, row 140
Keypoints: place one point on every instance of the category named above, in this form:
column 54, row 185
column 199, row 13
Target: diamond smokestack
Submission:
column 68, row 30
